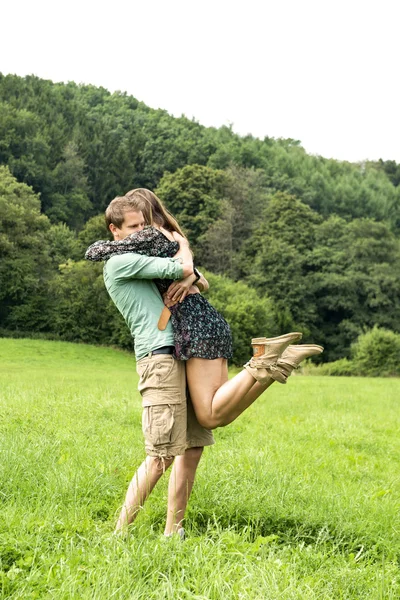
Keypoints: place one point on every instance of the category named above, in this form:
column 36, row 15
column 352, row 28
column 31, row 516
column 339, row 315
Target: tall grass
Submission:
column 298, row 499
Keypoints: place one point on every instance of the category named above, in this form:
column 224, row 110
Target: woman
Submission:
column 202, row 336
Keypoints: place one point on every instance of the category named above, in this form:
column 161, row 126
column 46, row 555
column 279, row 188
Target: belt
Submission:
column 162, row 350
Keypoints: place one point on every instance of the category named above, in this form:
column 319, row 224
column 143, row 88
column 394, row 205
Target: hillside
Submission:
column 315, row 240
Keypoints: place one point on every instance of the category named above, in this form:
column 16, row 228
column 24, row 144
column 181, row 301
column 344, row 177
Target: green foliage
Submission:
column 169, row 144
column 338, row 368
column 376, row 353
column 70, row 202
column 25, row 264
column 193, row 195
column 392, row 170
column 24, row 145
column 94, row 229
column 274, row 260
column 248, row 313
column 244, row 197
column 83, row 310
column 63, row 244
column 319, row 236
column 353, row 276
column 119, row 143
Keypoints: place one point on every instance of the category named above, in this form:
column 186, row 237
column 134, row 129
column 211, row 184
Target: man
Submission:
column 171, row 430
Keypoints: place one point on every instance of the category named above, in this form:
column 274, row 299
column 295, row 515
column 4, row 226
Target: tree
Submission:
column 24, row 146
column 274, row 260
column 245, row 196
column 94, row 229
column 193, row 194
column 354, row 280
column 25, row 264
column 63, row 244
column 84, row 311
column 214, row 249
column 69, row 203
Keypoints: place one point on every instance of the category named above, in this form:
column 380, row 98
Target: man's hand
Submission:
column 178, row 290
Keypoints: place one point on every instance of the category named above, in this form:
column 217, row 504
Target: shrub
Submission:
column 377, row 353
column 248, row 313
column 339, row 368
column 83, row 311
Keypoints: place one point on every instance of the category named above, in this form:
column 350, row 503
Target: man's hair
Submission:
column 115, row 211
column 145, row 201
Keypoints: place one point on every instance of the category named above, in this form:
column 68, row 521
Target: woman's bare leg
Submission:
column 218, row 401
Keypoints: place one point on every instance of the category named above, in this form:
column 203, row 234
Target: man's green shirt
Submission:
column 128, row 279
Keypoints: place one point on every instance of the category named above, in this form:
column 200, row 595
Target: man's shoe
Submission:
column 260, row 345
column 180, row 533
column 291, row 359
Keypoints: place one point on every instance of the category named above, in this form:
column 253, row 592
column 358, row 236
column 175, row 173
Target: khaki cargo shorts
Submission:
column 169, row 423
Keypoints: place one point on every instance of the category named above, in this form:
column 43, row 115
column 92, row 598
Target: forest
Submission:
column 288, row 240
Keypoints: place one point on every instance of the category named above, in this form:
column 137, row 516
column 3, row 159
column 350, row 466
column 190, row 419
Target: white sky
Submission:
column 325, row 72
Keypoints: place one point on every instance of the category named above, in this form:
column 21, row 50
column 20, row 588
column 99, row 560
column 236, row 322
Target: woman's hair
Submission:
column 145, row 201
column 153, row 209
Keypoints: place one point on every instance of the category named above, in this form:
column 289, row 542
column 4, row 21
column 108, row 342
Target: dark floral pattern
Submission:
column 200, row 331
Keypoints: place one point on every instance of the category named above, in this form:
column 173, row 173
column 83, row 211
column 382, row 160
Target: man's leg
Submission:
column 162, row 385
column 180, row 486
column 140, row 487
column 184, row 469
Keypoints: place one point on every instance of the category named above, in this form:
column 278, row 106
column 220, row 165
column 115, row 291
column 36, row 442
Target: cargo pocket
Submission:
column 142, row 368
column 162, row 382
column 163, row 369
column 157, row 424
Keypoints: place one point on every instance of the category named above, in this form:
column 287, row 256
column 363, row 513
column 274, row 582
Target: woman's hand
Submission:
column 182, row 241
column 178, row 290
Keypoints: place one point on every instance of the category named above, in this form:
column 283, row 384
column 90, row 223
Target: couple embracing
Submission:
column 182, row 347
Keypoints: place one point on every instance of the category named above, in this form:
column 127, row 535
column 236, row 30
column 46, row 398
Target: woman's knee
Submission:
column 210, row 421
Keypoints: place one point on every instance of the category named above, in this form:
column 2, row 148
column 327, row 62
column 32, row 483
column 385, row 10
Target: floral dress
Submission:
column 200, row 331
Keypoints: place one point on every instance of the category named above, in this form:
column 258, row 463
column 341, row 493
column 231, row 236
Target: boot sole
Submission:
column 292, row 337
column 316, row 347
column 313, row 350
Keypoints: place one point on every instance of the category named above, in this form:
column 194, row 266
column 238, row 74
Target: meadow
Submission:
column 298, row 499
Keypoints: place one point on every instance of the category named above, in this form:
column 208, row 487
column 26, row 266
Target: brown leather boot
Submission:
column 291, row 359
column 261, row 364
column 263, row 376
column 268, row 350
column 260, row 344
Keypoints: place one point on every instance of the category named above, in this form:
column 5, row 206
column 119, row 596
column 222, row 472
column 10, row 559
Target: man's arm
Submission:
column 138, row 266
column 178, row 290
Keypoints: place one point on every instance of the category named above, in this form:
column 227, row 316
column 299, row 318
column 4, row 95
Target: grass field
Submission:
column 298, row 499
